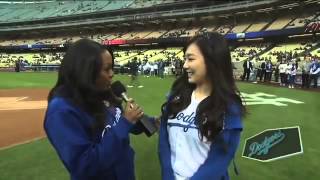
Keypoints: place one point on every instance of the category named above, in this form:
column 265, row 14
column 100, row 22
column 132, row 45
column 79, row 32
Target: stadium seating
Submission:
column 240, row 28
column 316, row 52
column 279, row 23
column 282, row 49
column 26, row 11
column 301, row 21
column 257, row 26
column 8, row 60
column 42, row 10
column 244, row 52
column 123, row 57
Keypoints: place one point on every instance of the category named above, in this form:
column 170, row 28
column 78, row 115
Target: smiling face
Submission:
column 195, row 65
column 104, row 79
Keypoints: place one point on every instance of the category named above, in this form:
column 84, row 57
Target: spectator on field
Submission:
column 152, row 70
column 134, row 67
column 282, row 71
column 253, row 74
column 263, row 71
column 17, row 66
column 247, row 68
column 268, row 71
column 314, row 72
column 161, row 66
column 288, row 71
column 293, row 73
column 276, row 73
column 178, row 67
column 156, row 68
column 305, row 67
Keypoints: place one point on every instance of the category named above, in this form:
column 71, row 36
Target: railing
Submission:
column 41, row 68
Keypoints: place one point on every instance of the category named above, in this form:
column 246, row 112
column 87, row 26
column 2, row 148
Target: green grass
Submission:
column 10, row 80
column 38, row 160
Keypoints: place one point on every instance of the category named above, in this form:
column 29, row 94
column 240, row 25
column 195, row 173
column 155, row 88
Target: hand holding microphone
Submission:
column 133, row 111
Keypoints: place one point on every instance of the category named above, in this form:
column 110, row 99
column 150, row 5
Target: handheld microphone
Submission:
column 120, row 91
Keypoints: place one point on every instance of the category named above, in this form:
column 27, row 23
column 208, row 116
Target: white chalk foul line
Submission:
column 21, row 143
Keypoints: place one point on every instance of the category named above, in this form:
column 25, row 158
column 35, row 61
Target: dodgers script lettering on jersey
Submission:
column 185, row 120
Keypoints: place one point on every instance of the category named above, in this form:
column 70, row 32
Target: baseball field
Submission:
column 26, row 154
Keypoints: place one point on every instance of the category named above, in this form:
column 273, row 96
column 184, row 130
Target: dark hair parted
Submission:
column 211, row 111
column 77, row 77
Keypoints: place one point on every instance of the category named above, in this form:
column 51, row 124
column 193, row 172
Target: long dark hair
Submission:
column 77, row 76
column 211, row 111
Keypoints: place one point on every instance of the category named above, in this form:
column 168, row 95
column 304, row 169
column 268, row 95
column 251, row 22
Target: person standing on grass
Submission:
column 268, row 71
column 305, row 66
column 247, row 68
column 156, row 68
column 263, row 71
column 84, row 121
column 161, row 67
column 282, row 71
column 201, row 120
column 288, row 70
column 276, row 73
column 293, row 73
column 314, row 72
column 152, row 70
column 134, row 68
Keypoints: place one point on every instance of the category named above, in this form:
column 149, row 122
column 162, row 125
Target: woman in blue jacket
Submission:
column 84, row 121
column 201, row 120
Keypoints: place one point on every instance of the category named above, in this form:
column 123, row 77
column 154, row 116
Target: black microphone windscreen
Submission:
column 118, row 88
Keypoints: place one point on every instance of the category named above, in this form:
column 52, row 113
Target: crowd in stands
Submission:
column 140, row 34
column 304, row 21
column 29, row 59
column 176, row 33
column 248, row 51
column 167, row 63
column 158, row 32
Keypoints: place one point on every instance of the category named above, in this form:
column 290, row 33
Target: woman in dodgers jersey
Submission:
column 201, row 120
column 84, row 125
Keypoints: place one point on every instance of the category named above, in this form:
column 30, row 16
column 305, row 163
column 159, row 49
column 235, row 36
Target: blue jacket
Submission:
column 317, row 67
column 102, row 157
column 216, row 165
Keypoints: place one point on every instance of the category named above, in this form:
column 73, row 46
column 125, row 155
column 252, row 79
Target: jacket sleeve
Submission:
column 165, row 153
column 223, row 149
column 317, row 71
column 216, row 165
column 164, row 146
column 81, row 156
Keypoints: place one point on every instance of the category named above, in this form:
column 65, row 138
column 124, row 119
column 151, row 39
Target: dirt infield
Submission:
column 21, row 115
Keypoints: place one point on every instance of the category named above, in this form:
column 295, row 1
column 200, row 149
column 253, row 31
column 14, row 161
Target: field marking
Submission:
column 22, row 98
column 19, row 103
column 259, row 98
column 11, row 99
column 22, row 143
